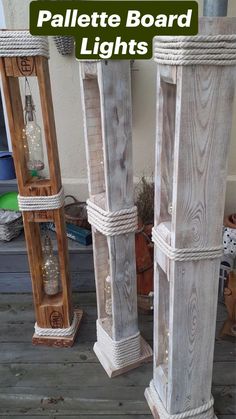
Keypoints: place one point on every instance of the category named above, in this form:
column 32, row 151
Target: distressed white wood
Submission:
column 106, row 98
column 193, row 131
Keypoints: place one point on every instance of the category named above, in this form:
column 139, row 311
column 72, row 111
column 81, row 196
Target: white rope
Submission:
column 40, row 331
column 200, row 49
column 186, row 414
column 122, row 352
column 41, row 203
column 112, row 223
column 22, row 44
column 185, row 254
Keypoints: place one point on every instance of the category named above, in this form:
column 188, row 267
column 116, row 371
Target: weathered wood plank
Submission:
column 41, row 382
column 193, row 118
column 21, row 282
column 67, row 376
column 12, row 332
column 94, row 401
column 18, row 245
column 89, row 416
column 25, row 374
column 28, row 354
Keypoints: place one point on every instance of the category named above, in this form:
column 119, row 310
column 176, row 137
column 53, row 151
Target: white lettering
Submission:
column 44, row 16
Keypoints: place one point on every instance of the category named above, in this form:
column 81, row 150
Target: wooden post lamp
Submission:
column 195, row 92
column 41, row 200
column 105, row 87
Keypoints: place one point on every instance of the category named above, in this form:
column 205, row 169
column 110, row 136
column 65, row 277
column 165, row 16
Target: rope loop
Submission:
column 22, row 44
column 112, row 223
column 41, row 203
column 185, row 254
column 199, row 49
column 186, row 414
column 122, row 352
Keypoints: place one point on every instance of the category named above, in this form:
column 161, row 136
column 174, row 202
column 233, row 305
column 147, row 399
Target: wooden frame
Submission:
column 58, row 307
column 105, row 87
column 194, row 113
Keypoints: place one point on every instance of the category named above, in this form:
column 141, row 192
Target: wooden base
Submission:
column 112, row 371
column 59, row 341
column 151, row 403
column 228, row 329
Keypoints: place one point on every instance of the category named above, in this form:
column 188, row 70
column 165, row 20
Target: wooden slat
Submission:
column 49, row 123
column 11, row 282
column 14, row 109
column 117, row 143
column 20, row 67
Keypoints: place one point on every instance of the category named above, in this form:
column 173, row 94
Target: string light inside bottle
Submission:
column 32, row 135
column 50, row 269
column 108, row 300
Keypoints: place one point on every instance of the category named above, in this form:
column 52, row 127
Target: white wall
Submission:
column 68, row 114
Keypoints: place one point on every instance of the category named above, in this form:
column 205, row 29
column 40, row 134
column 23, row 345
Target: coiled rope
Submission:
column 112, row 223
column 22, row 44
column 185, row 254
column 188, row 413
column 199, row 49
column 122, row 352
column 41, row 203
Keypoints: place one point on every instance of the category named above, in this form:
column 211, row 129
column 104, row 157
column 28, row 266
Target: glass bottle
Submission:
column 50, row 269
column 108, row 300
column 32, row 137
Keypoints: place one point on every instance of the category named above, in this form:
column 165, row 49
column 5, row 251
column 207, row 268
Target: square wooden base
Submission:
column 151, row 403
column 112, row 371
column 209, row 414
column 59, row 341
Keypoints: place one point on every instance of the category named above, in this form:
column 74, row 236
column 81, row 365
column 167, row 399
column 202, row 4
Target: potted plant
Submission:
column 144, row 247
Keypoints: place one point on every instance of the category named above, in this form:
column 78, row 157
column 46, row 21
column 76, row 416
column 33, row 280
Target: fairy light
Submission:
column 50, row 269
column 32, row 135
column 108, row 300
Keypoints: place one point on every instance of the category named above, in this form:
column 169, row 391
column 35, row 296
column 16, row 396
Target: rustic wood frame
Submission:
column 194, row 114
column 59, row 307
column 106, row 98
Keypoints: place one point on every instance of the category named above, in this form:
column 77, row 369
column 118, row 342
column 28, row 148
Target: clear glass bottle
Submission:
column 32, row 137
column 108, row 300
column 50, row 269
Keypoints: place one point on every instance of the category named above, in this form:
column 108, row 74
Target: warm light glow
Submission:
column 50, row 269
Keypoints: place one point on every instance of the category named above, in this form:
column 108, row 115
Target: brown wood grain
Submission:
column 11, row 69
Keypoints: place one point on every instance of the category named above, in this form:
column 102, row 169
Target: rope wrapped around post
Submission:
column 199, row 49
column 112, row 223
column 22, row 44
column 121, row 352
column 68, row 331
column 186, row 414
column 41, row 203
column 185, row 254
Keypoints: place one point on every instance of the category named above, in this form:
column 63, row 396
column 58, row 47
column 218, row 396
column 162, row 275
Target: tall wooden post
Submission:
column 195, row 92
column 105, row 87
column 54, row 314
